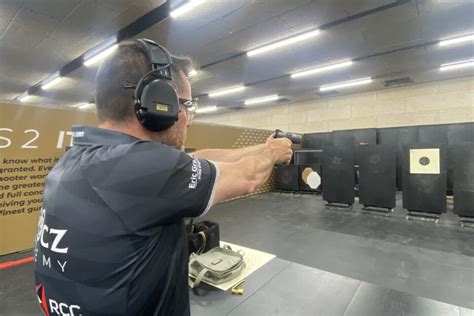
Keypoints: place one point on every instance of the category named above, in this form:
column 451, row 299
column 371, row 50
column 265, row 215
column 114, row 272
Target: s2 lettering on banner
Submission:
column 29, row 140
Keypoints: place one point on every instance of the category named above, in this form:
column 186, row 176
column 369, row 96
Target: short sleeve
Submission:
column 192, row 185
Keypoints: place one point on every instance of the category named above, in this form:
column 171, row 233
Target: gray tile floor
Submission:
column 403, row 263
column 430, row 260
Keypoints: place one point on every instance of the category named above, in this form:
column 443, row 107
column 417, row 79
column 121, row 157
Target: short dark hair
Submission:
column 128, row 64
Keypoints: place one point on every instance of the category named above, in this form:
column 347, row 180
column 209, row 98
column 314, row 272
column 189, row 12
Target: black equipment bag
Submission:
column 202, row 236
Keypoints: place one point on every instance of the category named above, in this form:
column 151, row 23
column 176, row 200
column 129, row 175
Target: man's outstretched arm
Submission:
column 228, row 155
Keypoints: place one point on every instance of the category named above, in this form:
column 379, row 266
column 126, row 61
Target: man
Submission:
column 111, row 237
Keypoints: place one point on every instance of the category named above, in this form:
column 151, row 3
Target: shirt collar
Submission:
column 88, row 135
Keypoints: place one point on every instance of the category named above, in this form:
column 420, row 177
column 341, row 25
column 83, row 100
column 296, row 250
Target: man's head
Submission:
column 115, row 104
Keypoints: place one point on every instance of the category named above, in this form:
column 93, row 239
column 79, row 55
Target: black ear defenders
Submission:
column 156, row 100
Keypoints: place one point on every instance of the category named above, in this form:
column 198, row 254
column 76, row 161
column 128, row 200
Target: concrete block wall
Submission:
column 450, row 101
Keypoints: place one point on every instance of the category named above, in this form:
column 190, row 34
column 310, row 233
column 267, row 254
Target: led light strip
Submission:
column 24, row 96
column 321, row 69
column 51, row 82
column 282, row 43
column 457, row 40
column 457, row 65
column 226, row 91
column 95, row 58
column 268, row 98
column 84, row 105
column 346, row 84
column 207, row 109
column 185, row 8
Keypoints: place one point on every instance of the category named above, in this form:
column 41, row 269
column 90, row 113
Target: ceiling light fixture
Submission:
column 457, row 65
column 321, row 69
column 85, row 105
column 285, row 42
column 268, row 98
column 192, row 73
column 95, row 58
column 207, row 109
column 54, row 79
column 346, row 84
column 24, row 96
column 226, row 91
column 191, row 4
column 457, row 40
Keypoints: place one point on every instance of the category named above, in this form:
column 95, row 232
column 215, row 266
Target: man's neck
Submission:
column 127, row 128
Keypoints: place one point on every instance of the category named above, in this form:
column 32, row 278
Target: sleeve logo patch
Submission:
column 196, row 172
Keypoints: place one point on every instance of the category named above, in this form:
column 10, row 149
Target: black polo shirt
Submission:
column 111, row 237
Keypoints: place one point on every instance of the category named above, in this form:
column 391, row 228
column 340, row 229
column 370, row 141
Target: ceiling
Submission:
column 387, row 39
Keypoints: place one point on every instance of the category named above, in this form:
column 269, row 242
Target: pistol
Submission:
column 295, row 138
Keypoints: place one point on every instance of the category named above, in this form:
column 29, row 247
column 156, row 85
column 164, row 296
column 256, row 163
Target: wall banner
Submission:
column 32, row 139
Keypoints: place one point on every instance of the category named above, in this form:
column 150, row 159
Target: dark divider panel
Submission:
column 389, row 137
column 304, row 174
column 399, row 138
column 287, row 177
column 433, row 134
column 317, row 140
column 424, row 178
column 377, row 171
column 457, row 134
column 460, row 133
column 308, row 156
column 366, row 136
column 406, row 136
column 464, row 180
column 343, row 138
column 338, row 169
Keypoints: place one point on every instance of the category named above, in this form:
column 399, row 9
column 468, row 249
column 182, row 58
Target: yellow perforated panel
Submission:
column 203, row 136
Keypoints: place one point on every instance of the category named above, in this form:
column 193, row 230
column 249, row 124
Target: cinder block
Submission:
column 340, row 101
column 407, row 91
column 297, row 118
column 427, row 117
column 278, row 109
column 456, row 85
column 307, row 105
column 256, row 121
column 280, row 118
column 354, row 123
column 456, row 115
column 363, row 109
column 369, row 97
column 338, row 112
column 316, row 115
column 425, row 103
column 394, row 120
column 457, row 99
column 391, row 106
column 296, row 128
column 317, row 127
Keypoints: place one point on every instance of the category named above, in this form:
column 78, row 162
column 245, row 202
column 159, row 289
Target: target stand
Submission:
column 377, row 210
column 423, row 216
column 339, row 206
column 466, row 221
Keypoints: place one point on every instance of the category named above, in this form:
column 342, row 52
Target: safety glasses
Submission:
column 190, row 107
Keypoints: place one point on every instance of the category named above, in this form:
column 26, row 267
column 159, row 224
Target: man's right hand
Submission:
column 249, row 173
column 280, row 149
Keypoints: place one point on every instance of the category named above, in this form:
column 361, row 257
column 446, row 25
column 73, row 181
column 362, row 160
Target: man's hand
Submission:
column 280, row 149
